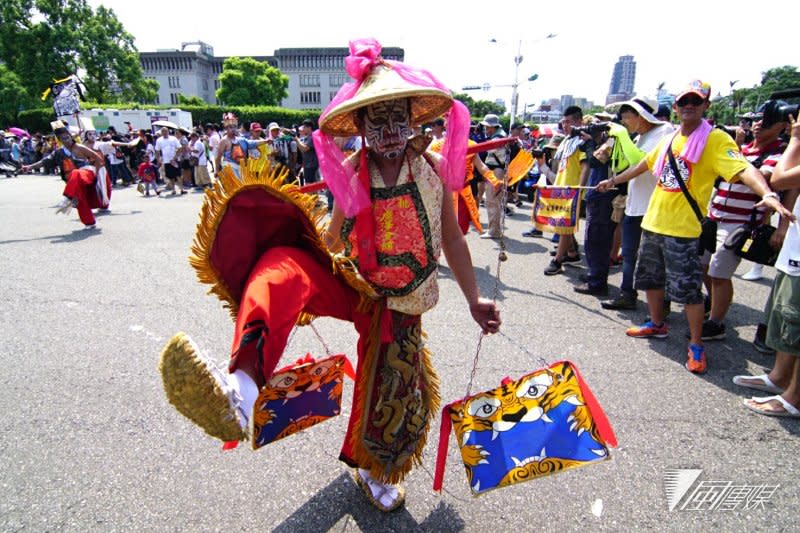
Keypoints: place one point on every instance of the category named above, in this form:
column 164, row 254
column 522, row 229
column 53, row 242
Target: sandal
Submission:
column 760, row 406
column 381, row 491
column 762, row 383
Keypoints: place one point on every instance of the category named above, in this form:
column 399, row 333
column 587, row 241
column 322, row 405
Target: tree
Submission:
column 110, row 60
column 726, row 109
column 43, row 40
column 479, row 108
column 190, row 100
column 13, row 96
column 246, row 81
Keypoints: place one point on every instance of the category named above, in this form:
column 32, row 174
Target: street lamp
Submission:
column 515, row 85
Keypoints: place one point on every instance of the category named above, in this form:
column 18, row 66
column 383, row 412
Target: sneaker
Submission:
column 532, row 233
column 755, row 273
column 620, row 302
column 712, row 331
column 585, row 288
column 487, row 235
column 553, row 268
column 696, row 359
column 64, row 206
column 648, row 330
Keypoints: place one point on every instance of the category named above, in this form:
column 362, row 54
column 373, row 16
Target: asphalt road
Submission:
column 88, row 441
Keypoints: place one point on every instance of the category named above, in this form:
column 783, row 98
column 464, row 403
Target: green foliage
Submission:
column 39, row 119
column 43, row 40
column 246, row 81
column 184, row 100
column 479, row 108
column 13, row 96
column 726, row 109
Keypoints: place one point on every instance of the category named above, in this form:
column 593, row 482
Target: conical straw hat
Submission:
column 384, row 83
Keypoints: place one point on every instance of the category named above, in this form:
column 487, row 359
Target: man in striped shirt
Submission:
column 731, row 206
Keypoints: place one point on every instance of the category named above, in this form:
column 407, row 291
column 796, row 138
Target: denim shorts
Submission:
column 670, row 263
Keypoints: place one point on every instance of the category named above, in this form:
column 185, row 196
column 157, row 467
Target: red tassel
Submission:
column 230, row 445
column 348, row 368
column 441, row 452
column 600, row 419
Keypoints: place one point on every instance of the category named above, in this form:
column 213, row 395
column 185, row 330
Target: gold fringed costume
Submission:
column 259, row 246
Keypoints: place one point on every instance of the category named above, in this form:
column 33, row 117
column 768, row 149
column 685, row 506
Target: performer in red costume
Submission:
column 88, row 186
column 261, row 246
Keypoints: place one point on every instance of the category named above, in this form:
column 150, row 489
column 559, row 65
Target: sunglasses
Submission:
column 690, row 100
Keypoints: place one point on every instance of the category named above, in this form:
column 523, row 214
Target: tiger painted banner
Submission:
column 545, row 422
column 556, row 209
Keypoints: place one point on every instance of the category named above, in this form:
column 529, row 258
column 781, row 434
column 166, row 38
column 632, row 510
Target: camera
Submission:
column 590, row 129
column 776, row 110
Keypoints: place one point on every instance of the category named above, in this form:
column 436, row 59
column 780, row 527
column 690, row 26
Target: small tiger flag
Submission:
column 557, row 209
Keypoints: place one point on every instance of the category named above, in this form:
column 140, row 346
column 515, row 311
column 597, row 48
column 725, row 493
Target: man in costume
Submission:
column 233, row 149
column 375, row 265
column 88, row 186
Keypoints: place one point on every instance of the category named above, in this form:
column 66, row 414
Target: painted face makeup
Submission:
column 387, row 127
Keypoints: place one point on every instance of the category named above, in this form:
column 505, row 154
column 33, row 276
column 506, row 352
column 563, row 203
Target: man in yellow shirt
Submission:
column 573, row 170
column 668, row 253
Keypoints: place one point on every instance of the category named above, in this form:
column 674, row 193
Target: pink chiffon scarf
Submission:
column 350, row 194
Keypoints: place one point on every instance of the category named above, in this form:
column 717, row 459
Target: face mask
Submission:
column 387, row 128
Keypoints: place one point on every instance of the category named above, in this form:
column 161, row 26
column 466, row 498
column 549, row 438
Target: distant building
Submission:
column 315, row 74
column 566, row 101
column 622, row 80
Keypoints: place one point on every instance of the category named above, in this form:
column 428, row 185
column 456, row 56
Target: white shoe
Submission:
column 64, row 206
column 755, row 273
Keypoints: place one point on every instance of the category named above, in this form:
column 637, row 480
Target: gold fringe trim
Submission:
column 431, row 398
column 267, row 177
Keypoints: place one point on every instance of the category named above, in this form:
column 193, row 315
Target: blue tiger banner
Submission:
column 556, row 210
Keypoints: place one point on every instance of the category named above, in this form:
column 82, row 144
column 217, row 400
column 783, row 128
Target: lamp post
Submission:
column 515, row 85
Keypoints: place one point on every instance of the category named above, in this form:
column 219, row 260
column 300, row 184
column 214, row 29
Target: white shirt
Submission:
column 641, row 187
column 199, row 151
column 789, row 259
column 168, row 146
column 213, row 142
column 105, row 148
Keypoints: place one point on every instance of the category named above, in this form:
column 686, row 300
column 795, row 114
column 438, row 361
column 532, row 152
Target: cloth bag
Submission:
column 299, row 396
column 751, row 241
column 545, row 422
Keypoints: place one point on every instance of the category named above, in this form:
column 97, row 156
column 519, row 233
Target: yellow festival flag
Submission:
column 556, row 210
column 519, row 167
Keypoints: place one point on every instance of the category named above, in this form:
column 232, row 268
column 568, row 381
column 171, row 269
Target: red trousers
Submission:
column 285, row 282
column 81, row 186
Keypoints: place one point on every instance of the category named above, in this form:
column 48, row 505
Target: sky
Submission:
column 672, row 42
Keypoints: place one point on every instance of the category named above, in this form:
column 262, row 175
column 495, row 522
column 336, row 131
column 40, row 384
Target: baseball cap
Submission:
column 700, row 88
column 255, row 126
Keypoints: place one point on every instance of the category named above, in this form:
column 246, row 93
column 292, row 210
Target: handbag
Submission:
column 708, row 227
column 543, row 423
column 751, row 241
column 299, row 396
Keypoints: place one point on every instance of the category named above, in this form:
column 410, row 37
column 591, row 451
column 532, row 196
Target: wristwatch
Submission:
column 771, row 194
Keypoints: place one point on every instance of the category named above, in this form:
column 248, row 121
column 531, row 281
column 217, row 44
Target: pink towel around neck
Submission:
column 692, row 150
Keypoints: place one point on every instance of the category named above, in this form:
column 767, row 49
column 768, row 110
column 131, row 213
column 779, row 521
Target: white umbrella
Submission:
column 165, row 124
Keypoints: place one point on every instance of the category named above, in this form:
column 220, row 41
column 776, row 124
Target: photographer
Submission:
column 731, row 205
column 599, row 227
column 782, row 327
